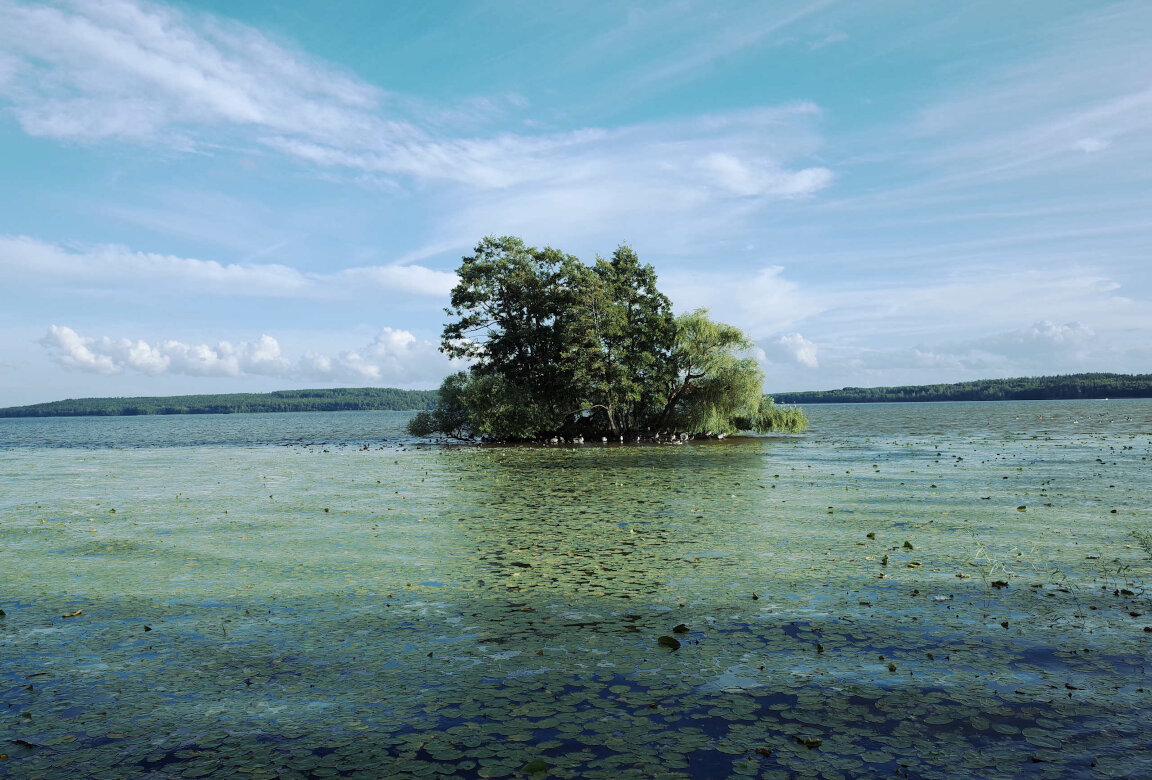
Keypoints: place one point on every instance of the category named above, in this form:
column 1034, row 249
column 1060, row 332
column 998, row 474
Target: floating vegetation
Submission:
column 596, row 612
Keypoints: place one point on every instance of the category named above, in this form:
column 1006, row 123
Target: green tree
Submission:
column 716, row 385
column 451, row 416
column 511, row 305
column 642, row 343
column 560, row 347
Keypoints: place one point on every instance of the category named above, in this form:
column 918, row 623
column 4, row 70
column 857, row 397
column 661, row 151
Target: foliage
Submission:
column 770, row 416
column 1044, row 388
column 450, row 415
column 322, row 400
column 563, row 348
column 713, row 384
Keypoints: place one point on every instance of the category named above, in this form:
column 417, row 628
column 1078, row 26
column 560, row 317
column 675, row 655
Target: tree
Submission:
column 714, row 385
column 511, row 304
column 559, row 347
column 620, row 335
column 643, row 343
column 451, row 415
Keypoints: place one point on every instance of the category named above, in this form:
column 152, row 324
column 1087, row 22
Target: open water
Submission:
column 912, row 590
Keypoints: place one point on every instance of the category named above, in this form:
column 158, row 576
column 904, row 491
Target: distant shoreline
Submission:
column 343, row 399
column 1098, row 386
column 1070, row 387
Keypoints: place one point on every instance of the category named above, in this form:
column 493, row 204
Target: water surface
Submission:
column 928, row 590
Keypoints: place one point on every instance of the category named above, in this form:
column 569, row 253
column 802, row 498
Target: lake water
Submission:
column 913, row 590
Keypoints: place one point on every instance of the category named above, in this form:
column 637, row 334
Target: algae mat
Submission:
column 945, row 590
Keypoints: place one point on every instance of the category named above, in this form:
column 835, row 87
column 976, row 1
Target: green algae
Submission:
column 479, row 611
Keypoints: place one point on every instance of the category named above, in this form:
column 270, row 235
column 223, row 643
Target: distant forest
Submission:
column 1041, row 388
column 332, row 400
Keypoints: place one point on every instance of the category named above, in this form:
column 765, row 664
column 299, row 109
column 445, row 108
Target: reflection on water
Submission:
column 940, row 590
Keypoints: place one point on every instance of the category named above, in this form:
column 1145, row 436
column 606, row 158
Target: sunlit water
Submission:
column 315, row 595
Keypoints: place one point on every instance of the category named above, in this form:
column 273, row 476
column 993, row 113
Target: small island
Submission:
column 563, row 350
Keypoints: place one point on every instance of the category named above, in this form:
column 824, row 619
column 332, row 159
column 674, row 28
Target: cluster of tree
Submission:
column 330, row 400
column 560, row 348
column 1041, row 388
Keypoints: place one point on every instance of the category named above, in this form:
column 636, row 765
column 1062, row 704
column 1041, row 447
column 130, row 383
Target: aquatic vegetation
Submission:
column 1144, row 539
column 605, row 611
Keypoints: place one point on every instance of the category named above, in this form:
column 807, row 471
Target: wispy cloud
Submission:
column 764, row 302
column 753, row 25
column 831, row 39
column 393, row 357
column 1042, row 346
column 125, row 70
column 25, row 260
column 143, row 73
column 1075, row 102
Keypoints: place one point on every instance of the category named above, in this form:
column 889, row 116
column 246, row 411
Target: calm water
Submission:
column 927, row 590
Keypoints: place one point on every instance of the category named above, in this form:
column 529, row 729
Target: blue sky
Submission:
column 246, row 196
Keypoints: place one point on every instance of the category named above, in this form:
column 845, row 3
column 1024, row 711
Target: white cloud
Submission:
column 977, row 300
column 1085, row 93
column 143, row 73
column 738, row 31
column 128, row 70
column 792, row 347
column 828, row 40
column 761, row 302
column 762, row 177
column 29, row 260
column 393, row 357
column 1044, row 347
column 1044, row 341
column 1090, row 145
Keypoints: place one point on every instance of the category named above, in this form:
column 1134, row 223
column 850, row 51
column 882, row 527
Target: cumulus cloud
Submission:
column 29, row 260
column 792, row 347
column 1043, row 341
column 394, row 357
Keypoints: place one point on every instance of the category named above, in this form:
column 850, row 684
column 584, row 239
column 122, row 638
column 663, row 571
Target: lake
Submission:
column 917, row 590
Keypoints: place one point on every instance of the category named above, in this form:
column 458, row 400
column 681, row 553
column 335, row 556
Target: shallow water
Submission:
column 315, row 595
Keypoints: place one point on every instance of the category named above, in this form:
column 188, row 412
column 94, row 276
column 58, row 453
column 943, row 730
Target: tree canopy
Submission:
column 561, row 348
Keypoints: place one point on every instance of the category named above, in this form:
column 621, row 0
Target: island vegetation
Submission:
column 323, row 400
column 1042, row 388
column 561, row 349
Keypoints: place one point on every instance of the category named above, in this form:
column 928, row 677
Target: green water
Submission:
column 324, row 610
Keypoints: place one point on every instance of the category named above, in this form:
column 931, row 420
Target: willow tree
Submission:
column 559, row 347
column 717, row 387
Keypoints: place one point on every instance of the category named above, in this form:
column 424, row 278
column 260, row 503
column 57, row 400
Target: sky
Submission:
column 251, row 195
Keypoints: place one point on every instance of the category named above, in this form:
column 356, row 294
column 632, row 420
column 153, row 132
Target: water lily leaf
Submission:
column 536, row 766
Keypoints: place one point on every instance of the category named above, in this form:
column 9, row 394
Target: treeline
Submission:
column 327, row 400
column 1039, row 388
